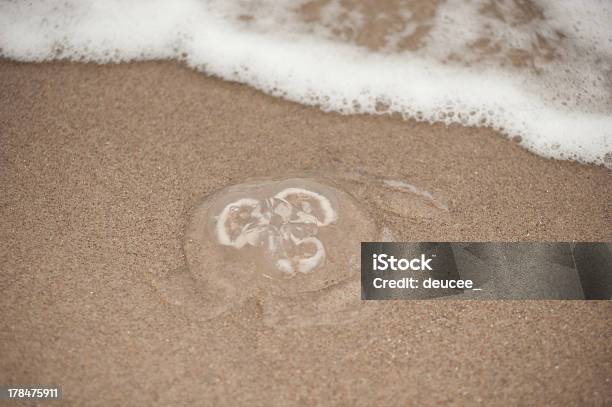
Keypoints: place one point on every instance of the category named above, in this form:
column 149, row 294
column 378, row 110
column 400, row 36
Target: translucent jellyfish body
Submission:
column 281, row 237
column 293, row 245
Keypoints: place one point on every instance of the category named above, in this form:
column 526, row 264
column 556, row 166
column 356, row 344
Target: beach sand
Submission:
column 101, row 167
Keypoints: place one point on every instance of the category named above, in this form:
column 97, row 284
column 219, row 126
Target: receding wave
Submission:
column 538, row 71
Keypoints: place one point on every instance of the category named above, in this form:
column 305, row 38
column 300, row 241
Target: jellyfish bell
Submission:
column 292, row 244
column 281, row 237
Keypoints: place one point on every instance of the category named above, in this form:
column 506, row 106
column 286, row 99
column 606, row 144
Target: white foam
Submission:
column 559, row 102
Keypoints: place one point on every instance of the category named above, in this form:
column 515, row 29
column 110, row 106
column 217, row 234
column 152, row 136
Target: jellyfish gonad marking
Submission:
column 285, row 226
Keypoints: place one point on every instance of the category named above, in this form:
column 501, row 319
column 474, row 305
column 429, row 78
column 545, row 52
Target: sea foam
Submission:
column 538, row 71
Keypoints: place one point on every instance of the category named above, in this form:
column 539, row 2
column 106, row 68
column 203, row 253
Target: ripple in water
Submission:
column 293, row 244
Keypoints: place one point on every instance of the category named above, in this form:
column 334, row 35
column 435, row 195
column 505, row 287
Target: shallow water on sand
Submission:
column 537, row 71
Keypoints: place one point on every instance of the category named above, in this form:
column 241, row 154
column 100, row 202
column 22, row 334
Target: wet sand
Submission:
column 101, row 167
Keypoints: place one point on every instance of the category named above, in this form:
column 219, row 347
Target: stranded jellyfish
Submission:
column 287, row 242
column 293, row 244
